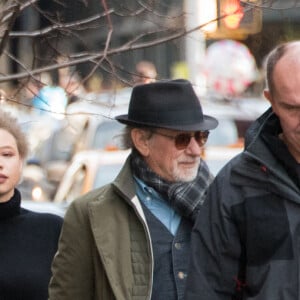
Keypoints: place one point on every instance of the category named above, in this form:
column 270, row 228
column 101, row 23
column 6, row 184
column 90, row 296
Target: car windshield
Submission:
column 106, row 174
column 225, row 134
column 107, row 134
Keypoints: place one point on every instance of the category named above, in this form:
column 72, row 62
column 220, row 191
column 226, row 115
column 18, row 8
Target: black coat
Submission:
column 28, row 242
column 245, row 243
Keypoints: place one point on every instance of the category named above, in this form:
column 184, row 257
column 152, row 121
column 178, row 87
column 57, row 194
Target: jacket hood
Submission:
column 256, row 165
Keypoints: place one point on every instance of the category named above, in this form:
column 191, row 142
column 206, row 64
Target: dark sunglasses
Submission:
column 182, row 140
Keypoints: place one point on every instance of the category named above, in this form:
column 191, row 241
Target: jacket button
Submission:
column 181, row 275
column 178, row 246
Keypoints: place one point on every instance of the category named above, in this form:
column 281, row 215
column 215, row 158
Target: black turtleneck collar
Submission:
column 12, row 207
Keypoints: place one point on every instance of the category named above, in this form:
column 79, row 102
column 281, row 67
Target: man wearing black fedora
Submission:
column 131, row 238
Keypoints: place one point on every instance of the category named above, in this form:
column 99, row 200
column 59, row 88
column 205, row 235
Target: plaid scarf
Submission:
column 185, row 197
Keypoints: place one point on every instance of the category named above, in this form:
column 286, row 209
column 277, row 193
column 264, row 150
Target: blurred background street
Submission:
column 66, row 69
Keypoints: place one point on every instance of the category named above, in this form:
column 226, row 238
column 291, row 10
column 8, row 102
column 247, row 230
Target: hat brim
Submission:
column 208, row 123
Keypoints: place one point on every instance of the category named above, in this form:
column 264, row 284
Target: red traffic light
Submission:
column 233, row 13
column 236, row 19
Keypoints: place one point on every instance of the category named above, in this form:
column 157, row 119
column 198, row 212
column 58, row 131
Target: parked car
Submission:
column 223, row 144
column 87, row 126
column 98, row 133
column 88, row 170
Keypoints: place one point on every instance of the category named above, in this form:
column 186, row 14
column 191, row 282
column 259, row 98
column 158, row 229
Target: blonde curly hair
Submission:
column 11, row 125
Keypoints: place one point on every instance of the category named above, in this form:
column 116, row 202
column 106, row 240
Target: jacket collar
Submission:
column 124, row 183
column 257, row 165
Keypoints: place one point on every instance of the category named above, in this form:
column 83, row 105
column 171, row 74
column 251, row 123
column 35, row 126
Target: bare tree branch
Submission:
column 153, row 27
column 6, row 24
column 77, row 25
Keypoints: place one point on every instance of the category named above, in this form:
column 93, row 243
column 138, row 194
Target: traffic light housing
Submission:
column 237, row 19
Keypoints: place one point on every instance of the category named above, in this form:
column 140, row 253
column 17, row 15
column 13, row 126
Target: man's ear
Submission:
column 268, row 96
column 140, row 140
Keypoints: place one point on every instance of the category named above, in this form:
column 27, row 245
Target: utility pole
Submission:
column 197, row 13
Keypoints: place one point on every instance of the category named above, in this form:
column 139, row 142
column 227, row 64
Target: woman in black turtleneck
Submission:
column 28, row 240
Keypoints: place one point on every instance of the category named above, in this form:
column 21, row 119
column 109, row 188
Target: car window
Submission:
column 225, row 134
column 106, row 135
column 106, row 174
column 74, row 185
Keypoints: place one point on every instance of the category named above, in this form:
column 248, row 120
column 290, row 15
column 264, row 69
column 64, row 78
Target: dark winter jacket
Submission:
column 245, row 243
column 28, row 243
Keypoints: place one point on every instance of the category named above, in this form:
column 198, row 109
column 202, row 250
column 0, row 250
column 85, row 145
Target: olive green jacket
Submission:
column 104, row 250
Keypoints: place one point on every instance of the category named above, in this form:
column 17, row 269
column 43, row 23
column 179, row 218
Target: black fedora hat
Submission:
column 171, row 104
